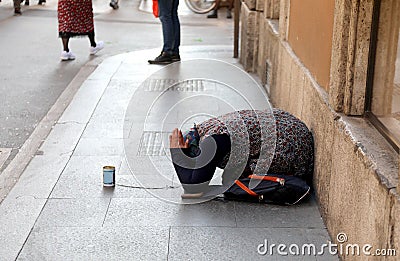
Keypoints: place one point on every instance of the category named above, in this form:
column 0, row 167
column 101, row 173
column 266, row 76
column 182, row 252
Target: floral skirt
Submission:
column 75, row 18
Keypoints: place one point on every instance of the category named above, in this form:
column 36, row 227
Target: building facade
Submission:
column 335, row 64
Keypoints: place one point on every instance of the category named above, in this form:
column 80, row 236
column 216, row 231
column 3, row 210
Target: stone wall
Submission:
column 352, row 195
column 248, row 37
column 351, row 183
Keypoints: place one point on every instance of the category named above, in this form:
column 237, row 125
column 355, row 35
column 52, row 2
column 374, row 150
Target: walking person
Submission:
column 17, row 7
column 75, row 18
column 171, row 30
column 214, row 12
column 114, row 4
column 40, row 2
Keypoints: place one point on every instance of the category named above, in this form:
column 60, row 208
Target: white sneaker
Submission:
column 99, row 46
column 65, row 56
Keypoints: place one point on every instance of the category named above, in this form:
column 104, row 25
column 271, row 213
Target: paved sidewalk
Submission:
column 59, row 210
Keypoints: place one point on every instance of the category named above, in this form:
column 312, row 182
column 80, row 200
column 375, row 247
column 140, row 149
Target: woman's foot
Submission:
column 17, row 11
column 213, row 14
column 97, row 48
column 229, row 14
column 41, row 2
column 114, row 4
column 26, row 2
column 66, row 56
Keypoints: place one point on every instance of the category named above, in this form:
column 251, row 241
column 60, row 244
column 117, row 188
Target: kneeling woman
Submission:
column 242, row 143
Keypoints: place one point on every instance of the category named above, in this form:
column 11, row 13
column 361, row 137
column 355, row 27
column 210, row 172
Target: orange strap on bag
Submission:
column 242, row 186
column 270, row 178
column 155, row 8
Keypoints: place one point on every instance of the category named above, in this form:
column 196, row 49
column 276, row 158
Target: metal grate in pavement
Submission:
column 151, row 144
column 159, row 85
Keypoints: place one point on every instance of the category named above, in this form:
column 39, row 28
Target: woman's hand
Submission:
column 176, row 140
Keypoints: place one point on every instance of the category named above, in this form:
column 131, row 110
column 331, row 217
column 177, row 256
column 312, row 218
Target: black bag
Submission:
column 272, row 188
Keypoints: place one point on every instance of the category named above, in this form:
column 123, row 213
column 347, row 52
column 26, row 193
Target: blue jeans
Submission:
column 171, row 28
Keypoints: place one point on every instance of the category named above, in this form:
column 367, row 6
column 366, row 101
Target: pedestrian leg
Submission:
column 91, row 39
column 214, row 12
column 176, row 31
column 65, row 42
column 17, row 7
column 229, row 11
column 66, row 54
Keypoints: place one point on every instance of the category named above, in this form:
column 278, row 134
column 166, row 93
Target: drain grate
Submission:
column 159, row 85
column 151, row 144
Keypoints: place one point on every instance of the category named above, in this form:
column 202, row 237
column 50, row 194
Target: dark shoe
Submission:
column 229, row 14
column 214, row 14
column 41, row 2
column 163, row 58
column 176, row 58
column 114, row 5
column 26, row 2
column 17, row 11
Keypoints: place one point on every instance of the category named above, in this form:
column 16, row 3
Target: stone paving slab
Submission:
column 304, row 215
column 82, row 177
column 159, row 213
column 85, row 101
column 18, row 216
column 62, row 139
column 230, row 243
column 99, row 147
column 82, row 212
column 39, row 186
column 94, row 243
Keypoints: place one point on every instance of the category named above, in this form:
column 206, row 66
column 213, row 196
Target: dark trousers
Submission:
column 171, row 28
column 17, row 4
column 195, row 173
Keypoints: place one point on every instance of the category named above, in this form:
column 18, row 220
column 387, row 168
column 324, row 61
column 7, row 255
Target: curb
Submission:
column 10, row 176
